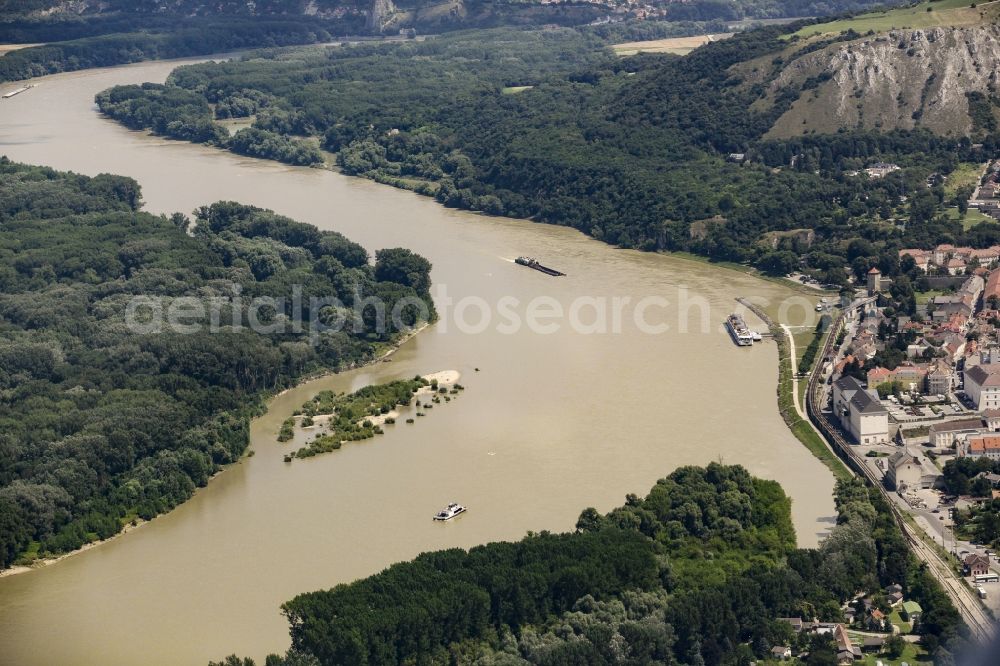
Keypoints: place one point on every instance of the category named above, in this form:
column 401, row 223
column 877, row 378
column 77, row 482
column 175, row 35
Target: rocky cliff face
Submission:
column 379, row 15
column 900, row 79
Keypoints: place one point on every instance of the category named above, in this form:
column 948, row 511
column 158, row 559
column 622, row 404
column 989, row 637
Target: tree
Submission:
column 590, row 520
column 14, row 533
column 404, row 267
column 778, row 263
column 894, row 646
column 822, row 651
column 143, row 419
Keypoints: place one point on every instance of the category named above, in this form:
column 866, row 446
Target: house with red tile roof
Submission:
column 976, row 565
column 980, row 446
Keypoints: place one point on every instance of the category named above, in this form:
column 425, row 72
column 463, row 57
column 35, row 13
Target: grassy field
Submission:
column 898, row 620
column 802, row 340
column 801, row 428
column 942, row 13
column 924, row 297
column 971, row 219
column 675, row 45
column 967, row 173
column 913, row 654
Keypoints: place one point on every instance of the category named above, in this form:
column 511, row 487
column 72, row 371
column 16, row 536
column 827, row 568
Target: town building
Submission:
column 796, row 622
column 940, row 379
column 906, row 470
column 844, row 389
column 991, row 293
column 991, row 418
column 874, row 281
column 976, row 565
column 952, row 260
column 982, row 385
column 912, row 376
column 980, row 446
column 859, row 411
column 922, row 258
column 868, row 419
column 873, row 643
column 991, row 478
column 781, row 652
column 912, row 611
column 847, row 651
column 945, row 434
column 881, row 169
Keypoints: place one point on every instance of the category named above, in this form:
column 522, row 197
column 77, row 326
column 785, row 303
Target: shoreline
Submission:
column 788, row 408
column 378, row 358
column 44, row 562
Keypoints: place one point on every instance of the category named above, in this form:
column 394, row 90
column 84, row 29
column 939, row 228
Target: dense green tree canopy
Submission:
column 550, row 125
column 102, row 422
column 697, row 572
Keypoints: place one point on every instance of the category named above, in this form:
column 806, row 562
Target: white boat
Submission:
column 449, row 512
column 738, row 329
column 757, row 337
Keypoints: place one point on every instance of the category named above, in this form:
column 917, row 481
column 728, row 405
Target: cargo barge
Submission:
column 14, row 93
column 533, row 263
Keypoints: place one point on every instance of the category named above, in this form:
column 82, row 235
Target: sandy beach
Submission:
column 444, row 378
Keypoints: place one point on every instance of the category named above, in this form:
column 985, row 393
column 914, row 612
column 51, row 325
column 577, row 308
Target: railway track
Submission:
column 961, row 595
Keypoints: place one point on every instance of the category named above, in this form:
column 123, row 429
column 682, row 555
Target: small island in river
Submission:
column 340, row 418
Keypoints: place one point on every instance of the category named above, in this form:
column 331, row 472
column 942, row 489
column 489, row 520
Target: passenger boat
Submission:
column 449, row 512
column 738, row 329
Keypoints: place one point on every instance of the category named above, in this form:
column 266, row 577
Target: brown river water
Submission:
column 552, row 423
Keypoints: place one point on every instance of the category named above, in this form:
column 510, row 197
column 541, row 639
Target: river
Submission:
column 550, row 424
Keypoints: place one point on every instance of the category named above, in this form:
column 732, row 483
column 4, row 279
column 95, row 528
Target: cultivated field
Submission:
column 675, row 45
column 7, row 48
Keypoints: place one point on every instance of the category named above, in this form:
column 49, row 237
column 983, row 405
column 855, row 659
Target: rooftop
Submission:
column 976, row 558
column 865, row 403
column 987, row 374
column 903, row 457
column 848, row 383
column 955, row 426
column 984, row 443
